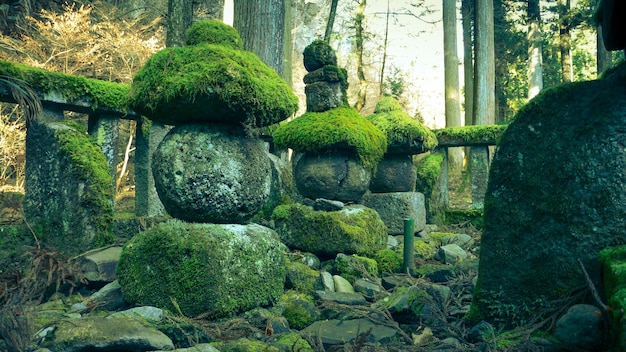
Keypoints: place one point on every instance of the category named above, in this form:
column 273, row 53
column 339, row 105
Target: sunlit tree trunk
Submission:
column 179, row 17
column 360, row 70
column 565, row 41
column 261, row 24
column 535, row 69
column 451, row 79
column 467, row 14
column 381, row 78
column 331, row 20
column 501, row 64
column 484, row 65
column 209, row 9
column 604, row 57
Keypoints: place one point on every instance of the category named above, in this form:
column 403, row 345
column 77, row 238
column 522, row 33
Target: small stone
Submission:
column 109, row 297
column 342, row 285
column 351, row 299
column 328, row 204
column 481, row 331
column 326, row 282
column 581, row 327
column 451, row 254
column 425, row 338
column 367, row 288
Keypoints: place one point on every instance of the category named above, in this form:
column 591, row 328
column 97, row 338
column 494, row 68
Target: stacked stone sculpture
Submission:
column 337, row 152
column 208, row 170
column 392, row 187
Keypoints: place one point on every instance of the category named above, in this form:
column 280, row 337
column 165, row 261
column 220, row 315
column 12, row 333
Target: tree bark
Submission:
column 451, row 79
column 179, row 18
column 467, row 15
column 381, row 79
column 209, row 9
column 261, row 24
column 484, row 67
column 360, row 71
column 535, row 69
column 565, row 40
column 331, row 20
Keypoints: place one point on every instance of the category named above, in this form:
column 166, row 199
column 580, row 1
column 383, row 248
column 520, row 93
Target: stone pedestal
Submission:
column 395, row 207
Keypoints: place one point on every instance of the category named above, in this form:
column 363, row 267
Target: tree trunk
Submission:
column 604, row 57
column 484, row 65
column 360, row 71
column 451, row 79
column 501, row 64
column 565, row 41
column 179, row 17
column 381, row 78
column 467, row 14
column 261, row 24
column 535, row 69
column 331, row 20
column 209, row 9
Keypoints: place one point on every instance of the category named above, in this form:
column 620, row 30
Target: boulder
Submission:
column 581, row 328
column 203, row 268
column 394, row 207
column 555, row 196
column 339, row 332
column 212, row 173
column 98, row 265
column 394, row 173
column 353, row 230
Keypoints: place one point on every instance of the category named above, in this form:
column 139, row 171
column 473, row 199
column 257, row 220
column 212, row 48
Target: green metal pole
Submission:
column 408, row 267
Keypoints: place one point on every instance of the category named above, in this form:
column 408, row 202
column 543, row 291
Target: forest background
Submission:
column 388, row 47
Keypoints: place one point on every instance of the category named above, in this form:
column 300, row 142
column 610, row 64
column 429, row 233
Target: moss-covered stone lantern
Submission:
column 406, row 136
column 209, row 168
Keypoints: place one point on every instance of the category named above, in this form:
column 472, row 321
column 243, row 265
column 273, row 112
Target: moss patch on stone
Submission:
column 90, row 165
column 475, row 135
column 428, row 170
column 219, row 270
column 337, row 129
column 214, row 32
column 99, row 93
column 318, row 54
column 351, row 231
column 402, row 131
column 388, row 261
column 211, row 83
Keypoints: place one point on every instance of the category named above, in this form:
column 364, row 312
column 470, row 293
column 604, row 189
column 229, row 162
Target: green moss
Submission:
column 201, row 268
column 245, row 345
column 423, row 249
column 428, row 170
column 355, row 266
column 388, row 261
column 214, row 32
column 211, row 83
column 301, row 277
column 299, row 309
column 401, row 130
column 470, row 135
column 474, row 217
column 99, row 93
column 318, row 54
column 293, row 342
column 90, row 165
column 351, row 231
column 329, row 131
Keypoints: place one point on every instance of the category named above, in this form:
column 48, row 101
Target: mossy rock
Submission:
column 299, row 309
column 555, row 196
column 353, row 230
column 219, row 270
column 214, row 32
column 404, row 134
column 354, row 267
column 301, row 278
column 211, row 83
column 388, row 261
column 334, row 130
column 319, row 54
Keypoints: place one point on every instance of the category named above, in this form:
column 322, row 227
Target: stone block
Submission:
column 394, row 207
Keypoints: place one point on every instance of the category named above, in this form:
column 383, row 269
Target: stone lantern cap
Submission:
column 338, row 129
column 211, row 80
column 405, row 135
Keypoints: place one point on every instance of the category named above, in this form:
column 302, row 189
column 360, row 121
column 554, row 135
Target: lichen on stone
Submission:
column 337, row 129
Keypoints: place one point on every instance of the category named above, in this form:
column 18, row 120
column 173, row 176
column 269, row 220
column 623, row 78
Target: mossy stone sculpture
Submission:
column 319, row 54
column 405, row 136
column 341, row 149
column 212, row 80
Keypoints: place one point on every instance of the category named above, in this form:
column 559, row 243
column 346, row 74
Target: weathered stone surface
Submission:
column 219, row 269
column 99, row 265
column 338, row 177
column 395, row 173
column 581, row 328
column 212, row 173
column 395, row 207
column 109, row 297
column 555, row 195
column 338, row 332
column 100, row 334
column 69, row 190
column 450, row 254
column 353, row 230
column 347, row 298
column 322, row 96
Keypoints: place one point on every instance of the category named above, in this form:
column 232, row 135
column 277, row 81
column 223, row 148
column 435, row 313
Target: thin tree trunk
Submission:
column 468, row 60
column 331, row 20
column 451, row 79
column 484, row 65
column 381, row 79
column 179, row 18
column 360, row 71
column 565, row 41
column 535, row 69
